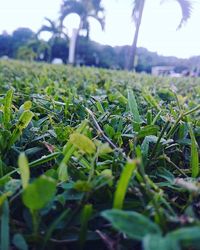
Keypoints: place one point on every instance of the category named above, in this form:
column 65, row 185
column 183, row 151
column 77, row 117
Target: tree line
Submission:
column 79, row 49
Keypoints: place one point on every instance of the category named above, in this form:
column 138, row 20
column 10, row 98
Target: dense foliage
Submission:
column 97, row 159
column 24, row 45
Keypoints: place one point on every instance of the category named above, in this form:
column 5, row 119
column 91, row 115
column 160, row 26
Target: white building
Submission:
column 162, row 70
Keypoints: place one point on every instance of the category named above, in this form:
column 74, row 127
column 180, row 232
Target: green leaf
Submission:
column 85, row 216
column 5, row 238
column 107, row 176
column 133, row 107
column 122, row 184
column 117, row 96
column 24, row 170
column 150, row 99
column 68, row 151
column 145, row 145
column 194, row 162
column 104, row 148
column 39, row 193
column 23, row 122
column 148, row 130
column 186, row 236
column 99, row 107
column 12, row 186
column 134, row 225
column 24, row 119
column 109, row 130
column 83, row 143
column 63, row 172
column 152, row 242
column 7, row 108
column 82, row 186
column 19, row 242
column 27, row 105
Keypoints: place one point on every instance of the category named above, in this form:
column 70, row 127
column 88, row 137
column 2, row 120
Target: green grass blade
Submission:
column 85, row 216
column 53, row 226
column 44, row 159
column 7, row 108
column 194, row 161
column 5, row 238
column 148, row 130
column 133, row 107
column 24, row 170
column 123, row 184
column 150, row 99
column 22, row 123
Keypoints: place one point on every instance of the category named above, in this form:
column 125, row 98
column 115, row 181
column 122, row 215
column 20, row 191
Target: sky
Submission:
column 158, row 30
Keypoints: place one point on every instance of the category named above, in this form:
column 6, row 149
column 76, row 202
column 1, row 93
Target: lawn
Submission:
column 98, row 159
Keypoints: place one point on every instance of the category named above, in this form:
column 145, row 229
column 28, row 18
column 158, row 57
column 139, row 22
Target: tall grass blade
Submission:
column 53, row 226
column 194, row 161
column 24, row 170
column 122, row 184
column 85, row 216
column 133, row 107
column 7, row 108
column 150, row 99
column 5, row 238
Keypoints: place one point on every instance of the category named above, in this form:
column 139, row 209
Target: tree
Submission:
column 41, row 49
column 138, row 8
column 20, row 37
column 25, row 53
column 55, row 30
column 5, row 45
column 51, row 27
column 59, row 48
column 85, row 9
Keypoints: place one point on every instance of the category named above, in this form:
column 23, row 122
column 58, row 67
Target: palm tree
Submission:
column 55, row 30
column 138, row 8
column 85, row 9
column 51, row 27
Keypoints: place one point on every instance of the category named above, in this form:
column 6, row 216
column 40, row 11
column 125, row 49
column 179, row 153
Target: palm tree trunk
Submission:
column 133, row 49
column 72, row 44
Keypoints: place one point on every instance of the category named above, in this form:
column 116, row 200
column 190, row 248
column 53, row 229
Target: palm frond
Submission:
column 51, row 22
column 44, row 28
column 186, row 8
column 69, row 7
column 101, row 20
column 136, row 9
column 53, row 28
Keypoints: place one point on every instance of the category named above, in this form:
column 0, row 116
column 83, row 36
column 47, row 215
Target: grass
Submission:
column 97, row 159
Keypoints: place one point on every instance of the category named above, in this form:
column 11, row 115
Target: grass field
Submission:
column 98, row 159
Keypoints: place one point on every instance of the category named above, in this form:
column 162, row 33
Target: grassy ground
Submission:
column 98, row 159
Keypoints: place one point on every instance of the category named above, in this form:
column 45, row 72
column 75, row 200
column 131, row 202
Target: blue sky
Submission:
column 158, row 30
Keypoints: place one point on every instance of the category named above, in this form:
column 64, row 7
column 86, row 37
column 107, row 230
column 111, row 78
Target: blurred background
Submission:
column 148, row 36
